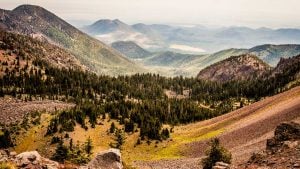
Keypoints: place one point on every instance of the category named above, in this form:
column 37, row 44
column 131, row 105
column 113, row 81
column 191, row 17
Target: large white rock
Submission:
column 27, row 158
column 33, row 159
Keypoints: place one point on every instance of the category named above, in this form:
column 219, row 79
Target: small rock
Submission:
column 3, row 159
column 219, row 167
column 296, row 165
column 13, row 154
column 291, row 144
column 222, row 164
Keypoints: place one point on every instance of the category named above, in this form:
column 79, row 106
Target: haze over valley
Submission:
column 171, row 84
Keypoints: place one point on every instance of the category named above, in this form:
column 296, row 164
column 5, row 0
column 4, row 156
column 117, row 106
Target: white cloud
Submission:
column 187, row 48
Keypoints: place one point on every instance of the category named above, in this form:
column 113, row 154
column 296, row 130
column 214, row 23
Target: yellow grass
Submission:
column 34, row 138
column 7, row 165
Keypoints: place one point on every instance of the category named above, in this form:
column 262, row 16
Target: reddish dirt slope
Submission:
column 245, row 130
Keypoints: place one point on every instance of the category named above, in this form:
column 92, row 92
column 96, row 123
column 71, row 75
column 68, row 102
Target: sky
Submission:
column 250, row 13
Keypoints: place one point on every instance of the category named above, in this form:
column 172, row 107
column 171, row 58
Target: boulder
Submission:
column 12, row 154
column 287, row 131
column 33, row 160
column 27, row 158
column 109, row 159
column 49, row 164
column 285, row 134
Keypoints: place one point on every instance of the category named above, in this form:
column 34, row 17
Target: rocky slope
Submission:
column 240, row 131
column 287, row 64
column 14, row 47
column 130, row 49
column 282, row 151
column 14, row 110
column 42, row 24
column 234, row 68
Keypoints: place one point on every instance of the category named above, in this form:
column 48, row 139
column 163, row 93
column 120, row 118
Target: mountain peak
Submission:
column 28, row 9
column 107, row 26
column 38, row 22
column 240, row 67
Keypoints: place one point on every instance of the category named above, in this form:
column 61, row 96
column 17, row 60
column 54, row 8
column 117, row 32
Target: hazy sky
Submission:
column 253, row 13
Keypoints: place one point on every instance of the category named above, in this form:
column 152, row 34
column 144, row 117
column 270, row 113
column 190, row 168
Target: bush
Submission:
column 61, row 152
column 216, row 153
column 5, row 139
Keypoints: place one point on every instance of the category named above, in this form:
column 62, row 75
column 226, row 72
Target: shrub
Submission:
column 216, row 153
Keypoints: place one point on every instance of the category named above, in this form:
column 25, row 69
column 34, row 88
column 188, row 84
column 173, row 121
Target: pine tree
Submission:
column 112, row 127
column 61, row 152
column 88, row 146
column 71, row 144
column 216, row 153
column 5, row 139
column 119, row 139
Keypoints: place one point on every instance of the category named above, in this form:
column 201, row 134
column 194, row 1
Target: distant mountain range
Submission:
column 173, row 64
column 192, row 40
column 167, row 50
column 44, row 25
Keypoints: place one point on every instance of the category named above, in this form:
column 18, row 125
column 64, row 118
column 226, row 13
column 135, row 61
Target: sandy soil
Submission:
column 245, row 130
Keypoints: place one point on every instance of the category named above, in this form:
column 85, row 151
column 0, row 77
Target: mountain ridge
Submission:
column 242, row 67
column 38, row 22
column 130, row 49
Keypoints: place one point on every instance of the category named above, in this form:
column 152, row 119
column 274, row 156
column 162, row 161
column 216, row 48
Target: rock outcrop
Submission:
column 28, row 160
column 285, row 134
column 283, row 150
column 241, row 67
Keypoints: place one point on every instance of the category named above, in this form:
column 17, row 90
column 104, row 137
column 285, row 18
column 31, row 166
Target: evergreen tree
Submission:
column 165, row 133
column 5, row 139
column 88, row 146
column 112, row 128
column 119, row 139
column 215, row 154
column 71, row 144
column 61, row 152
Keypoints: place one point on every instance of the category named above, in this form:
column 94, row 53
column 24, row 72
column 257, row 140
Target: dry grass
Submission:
column 7, row 165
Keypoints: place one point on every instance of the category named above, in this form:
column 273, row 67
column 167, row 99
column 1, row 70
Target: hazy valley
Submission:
column 113, row 95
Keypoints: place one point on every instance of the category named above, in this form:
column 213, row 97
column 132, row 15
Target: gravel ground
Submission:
column 12, row 110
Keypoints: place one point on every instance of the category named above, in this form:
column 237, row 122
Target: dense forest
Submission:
column 139, row 102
